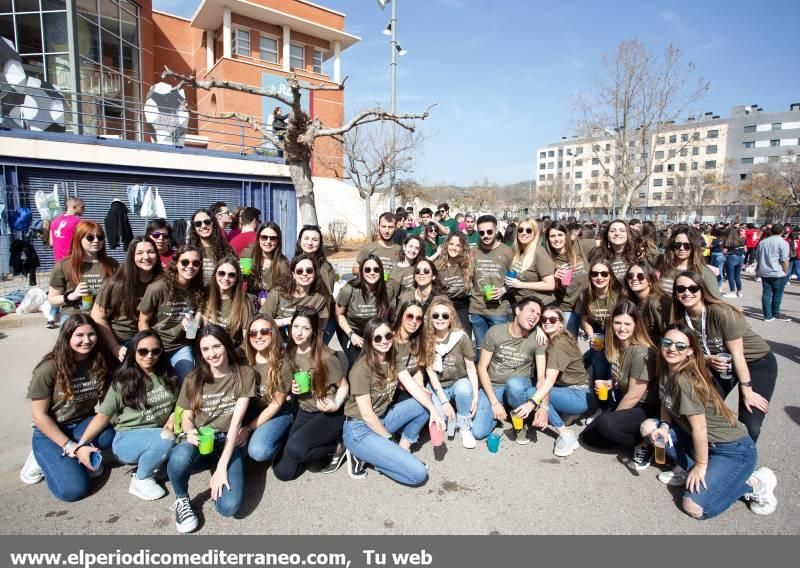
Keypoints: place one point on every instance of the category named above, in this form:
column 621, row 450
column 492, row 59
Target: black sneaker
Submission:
column 185, row 519
column 51, row 324
column 355, row 467
column 337, row 460
column 641, row 457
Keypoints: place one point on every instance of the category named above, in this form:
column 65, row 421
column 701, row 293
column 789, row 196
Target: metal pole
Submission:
column 394, row 102
column 614, row 203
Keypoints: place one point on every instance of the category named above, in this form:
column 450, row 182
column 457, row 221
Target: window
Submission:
column 673, row 139
column 567, row 163
column 695, row 136
column 551, row 154
column 560, row 152
column 670, row 167
column 297, row 56
column 744, row 177
column 642, row 194
column 595, row 161
column 541, row 177
column 542, row 166
column 774, row 159
column 660, row 140
column 560, row 165
column 656, row 197
column 684, row 152
column 694, row 166
column 578, row 163
column 579, row 150
column 595, row 147
column 550, row 177
column 593, row 186
column 713, row 134
column 550, row 165
column 710, row 164
column 659, row 154
column 577, row 187
column 711, row 149
column 749, row 144
column 695, row 151
column 658, row 169
column 268, row 49
column 608, row 147
column 669, row 196
column 684, row 137
column 670, row 181
column 595, row 173
column 542, row 154
column 776, row 126
column 750, row 128
column 682, row 167
column 605, row 185
column 672, row 153
column 578, row 175
column 593, row 198
column 607, row 160
column 658, row 182
column 241, row 42
column 774, row 142
column 746, row 161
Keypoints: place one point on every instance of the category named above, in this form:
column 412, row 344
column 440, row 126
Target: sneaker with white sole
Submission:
column 31, row 473
column 337, row 460
column 521, row 437
column 642, row 454
column 146, row 489
column 762, row 499
column 729, row 295
column 356, row 468
column 783, row 318
column 185, row 519
column 676, row 477
column 467, row 439
column 566, row 443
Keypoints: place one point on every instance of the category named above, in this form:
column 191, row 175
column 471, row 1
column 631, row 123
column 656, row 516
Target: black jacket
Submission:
column 24, row 260
column 118, row 227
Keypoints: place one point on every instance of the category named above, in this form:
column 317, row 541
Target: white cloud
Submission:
column 669, row 17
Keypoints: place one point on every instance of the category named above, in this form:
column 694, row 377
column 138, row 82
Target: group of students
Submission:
column 133, row 374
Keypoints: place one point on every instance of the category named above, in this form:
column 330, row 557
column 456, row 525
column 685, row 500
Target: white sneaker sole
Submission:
column 183, row 529
column 564, row 452
column 768, row 476
column 144, row 496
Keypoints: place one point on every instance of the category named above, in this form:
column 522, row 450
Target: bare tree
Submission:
column 636, row 98
column 695, row 193
column 301, row 130
column 776, row 186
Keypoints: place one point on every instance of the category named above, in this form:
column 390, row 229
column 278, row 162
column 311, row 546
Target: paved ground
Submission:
column 523, row 489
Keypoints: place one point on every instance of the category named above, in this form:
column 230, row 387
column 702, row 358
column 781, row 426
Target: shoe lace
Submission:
column 183, row 508
column 640, row 454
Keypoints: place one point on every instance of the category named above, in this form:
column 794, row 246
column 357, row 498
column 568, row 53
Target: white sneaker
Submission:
column 566, row 443
column 467, row 439
column 146, row 489
column 729, row 295
column 185, row 519
column 739, row 294
column 674, row 478
column 762, row 499
column 31, row 473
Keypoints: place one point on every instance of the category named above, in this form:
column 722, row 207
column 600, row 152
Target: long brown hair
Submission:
column 640, row 336
column 696, row 260
column 613, row 290
column 127, row 277
column 219, row 246
column 562, row 339
column 195, row 288
column 201, row 375
column 679, row 312
column 418, row 341
column 73, row 267
column 239, row 303
column 569, row 250
column 370, row 355
column 63, row 358
column 429, row 334
column 274, row 352
column 319, row 351
column 695, row 368
column 280, row 264
column 463, row 261
column 630, row 253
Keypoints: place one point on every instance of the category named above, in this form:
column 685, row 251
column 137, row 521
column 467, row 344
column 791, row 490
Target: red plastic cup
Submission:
column 437, row 438
column 566, row 279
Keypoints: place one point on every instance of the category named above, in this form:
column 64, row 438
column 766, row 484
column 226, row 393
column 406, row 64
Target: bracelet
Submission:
column 445, row 401
column 67, row 445
column 747, row 384
column 350, row 335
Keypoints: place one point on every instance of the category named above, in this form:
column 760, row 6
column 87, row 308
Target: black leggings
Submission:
column 763, row 373
column 462, row 310
column 618, row 428
column 312, row 437
column 351, row 351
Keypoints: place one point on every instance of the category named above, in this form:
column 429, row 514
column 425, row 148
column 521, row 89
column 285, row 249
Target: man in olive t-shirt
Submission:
column 384, row 248
column 505, row 367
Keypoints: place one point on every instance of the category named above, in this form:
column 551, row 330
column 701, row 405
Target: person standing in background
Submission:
column 773, row 265
column 249, row 220
column 61, row 230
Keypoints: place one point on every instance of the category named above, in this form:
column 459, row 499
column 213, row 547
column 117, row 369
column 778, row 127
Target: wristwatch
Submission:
column 745, row 383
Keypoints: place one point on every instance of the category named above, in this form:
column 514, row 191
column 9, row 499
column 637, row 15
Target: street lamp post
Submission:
column 395, row 51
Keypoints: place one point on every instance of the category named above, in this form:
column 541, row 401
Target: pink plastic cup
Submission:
column 437, row 438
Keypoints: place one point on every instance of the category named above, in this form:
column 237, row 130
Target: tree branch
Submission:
column 213, row 83
column 375, row 115
column 251, row 120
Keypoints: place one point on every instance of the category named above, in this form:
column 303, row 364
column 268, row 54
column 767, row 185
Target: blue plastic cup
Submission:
column 493, row 442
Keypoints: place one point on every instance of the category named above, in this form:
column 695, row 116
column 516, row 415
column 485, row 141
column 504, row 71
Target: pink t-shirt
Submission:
column 61, row 230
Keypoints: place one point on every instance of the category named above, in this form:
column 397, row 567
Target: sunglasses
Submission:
column 223, row 213
column 488, row 233
column 412, row 317
column 144, row 351
column 551, row 319
column 680, row 346
column 526, row 230
column 371, row 270
column 223, row 274
column 381, row 338
column 265, row 238
column 600, row 273
column 690, row 289
column 263, row 332
column 205, row 222
column 432, row 229
column 301, row 271
column 186, row 262
column 441, row 315
column 422, row 271
column 635, row 276
column 159, row 235
column 91, row 238
column 679, row 246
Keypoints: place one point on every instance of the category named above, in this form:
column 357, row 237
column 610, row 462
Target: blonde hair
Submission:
column 525, row 257
column 430, row 331
column 639, row 337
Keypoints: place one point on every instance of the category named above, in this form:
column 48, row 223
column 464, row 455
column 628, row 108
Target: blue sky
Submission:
column 503, row 71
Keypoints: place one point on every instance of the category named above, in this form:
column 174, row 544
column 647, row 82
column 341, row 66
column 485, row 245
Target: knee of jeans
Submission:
column 692, row 509
column 462, row 387
column 417, row 474
column 260, row 452
column 70, row 492
column 181, row 455
column 227, row 506
column 647, row 427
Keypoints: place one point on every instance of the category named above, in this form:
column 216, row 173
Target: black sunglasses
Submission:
column 422, row 271
column 205, row 222
column 370, row 270
column 635, row 276
column 265, row 238
column 441, row 315
column 263, row 332
column 159, row 235
column 91, row 238
column 223, row 274
column 691, row 289
column 551, row 319
column 186, row 262
column 412, row 317
column 680, row 346
column 381, row 338
column 601, row 273
column 526, row 230
column 301, row 271
column 144, row 351
column 489, row 232
column 679, row 246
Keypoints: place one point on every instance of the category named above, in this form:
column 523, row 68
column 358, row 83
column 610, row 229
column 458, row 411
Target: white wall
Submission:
column 337, row 200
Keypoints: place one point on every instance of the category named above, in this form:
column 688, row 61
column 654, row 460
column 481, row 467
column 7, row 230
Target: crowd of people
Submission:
column 203, row 351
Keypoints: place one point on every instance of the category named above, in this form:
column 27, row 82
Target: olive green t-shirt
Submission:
column 453, row 281
column 655, row 317
column 328, row 276
column 600, row 310
column 619, row 265
column 402, row 278
column 219, row 398
column 279, row 305
column 541, row 267
column 412, row 294
column 360, row 307
column 263, row 280
column 208, row 264
column 490, row 268
column 725, row 324
column 91, row 272
column 167, row 314
column 110, row 298
column 363, row 381
column 263, row 397
column 667, row 281
column 302, row 362
column 388, row 255
column 511, row 356
column 637, row 362
column 568, row 297
column 681, row 401
column 566, row 358
column 160, row 403
column 85, row 392
column 406, row 360
column 454, row 366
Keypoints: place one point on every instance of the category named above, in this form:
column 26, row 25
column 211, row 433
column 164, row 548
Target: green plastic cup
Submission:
column 488, row 291
column 303, row 380
column 246, row 264
column 206, row 438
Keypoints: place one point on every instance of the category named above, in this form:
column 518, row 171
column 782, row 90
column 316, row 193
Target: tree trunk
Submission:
column 368, row 210
column 304, row 188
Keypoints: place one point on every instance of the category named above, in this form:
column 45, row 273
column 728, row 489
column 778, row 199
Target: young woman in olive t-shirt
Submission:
column 402, row 276
column 270, row 266
column 715, row 458
column 455, row 267
column 411, row 344
column 643, row 289
column 227, row 303
column 306, row 289
column 206, row 236
column 599, row 299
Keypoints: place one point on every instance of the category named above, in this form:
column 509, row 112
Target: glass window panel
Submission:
column 90, row 78
column 55, row 32
column 297, row 56
column 5, row 6
column 112, row 84
column 130, row 31
column 54, row 5
column 269, row 49
column 58, row 71
column 33, row 65
column 26, row 6
column 7, row 28
column 317, row 61
column 87, row 7
column 130, row 60
column 128, row 5
column 29, row 33
column 109, row 16
column 111, row 51
column 88, row 40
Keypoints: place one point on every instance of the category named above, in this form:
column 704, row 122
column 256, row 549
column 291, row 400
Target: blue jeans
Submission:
column 388, row 457
column 182, row 361
column 143, row 446
column 772, row 295
column 186, row 459
column 600, row 367
column 481, row 324
column 572, row 321
column 730, row 465
column 268, row 438
column 484, row 421
column 563, row 400
column 733, row 263
column 66, row 478
column 461, row 391
column 794, row 268
column 718, row 261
